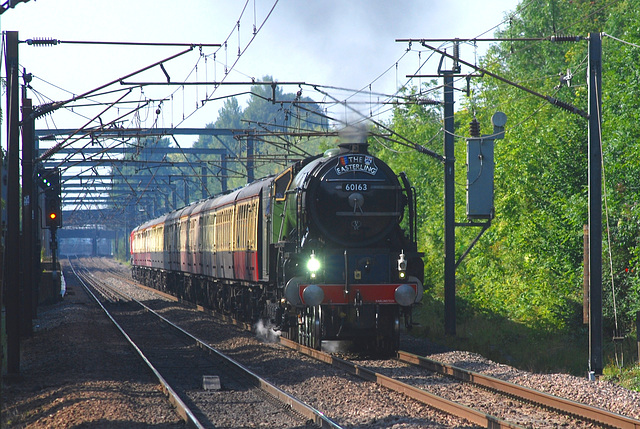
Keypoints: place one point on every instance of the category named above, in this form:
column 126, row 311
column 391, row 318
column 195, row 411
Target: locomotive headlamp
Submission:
column 313, row 265
column 402, row 266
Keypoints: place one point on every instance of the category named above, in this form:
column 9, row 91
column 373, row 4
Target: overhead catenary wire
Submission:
column 550, row 99
column 190, row 45
column 350, row 98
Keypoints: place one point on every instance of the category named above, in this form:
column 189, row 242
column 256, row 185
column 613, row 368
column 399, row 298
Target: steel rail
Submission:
column 306, row 410
column 562, row 405
column 182, row 409
column 110, row 294
column 295, row 404
column 551, row 402
column 437, row 402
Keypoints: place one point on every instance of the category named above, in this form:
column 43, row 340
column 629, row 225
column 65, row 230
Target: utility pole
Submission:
column 30, row 300
column 595, row 204
column 449, row 194
column 449, row 209
column 594, row 117
column 12, row 237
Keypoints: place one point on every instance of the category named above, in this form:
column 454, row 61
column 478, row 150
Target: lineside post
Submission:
column 638, row 333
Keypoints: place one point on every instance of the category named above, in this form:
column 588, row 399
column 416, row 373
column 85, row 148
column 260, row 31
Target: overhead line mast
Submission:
column 594, row 116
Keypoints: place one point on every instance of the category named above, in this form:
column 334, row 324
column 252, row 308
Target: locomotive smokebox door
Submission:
column 353, row 198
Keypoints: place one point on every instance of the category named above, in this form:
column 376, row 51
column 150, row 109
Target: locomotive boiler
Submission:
column 325, row 251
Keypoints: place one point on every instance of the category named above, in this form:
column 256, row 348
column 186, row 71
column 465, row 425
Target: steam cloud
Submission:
column 353, row 134
column 265, row 332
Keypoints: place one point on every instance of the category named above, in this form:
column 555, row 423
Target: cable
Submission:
column 620, row 40
column 606, row 207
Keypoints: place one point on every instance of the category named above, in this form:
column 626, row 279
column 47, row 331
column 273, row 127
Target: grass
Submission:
column 623, row 368
column 526, row 348
column 628, row 377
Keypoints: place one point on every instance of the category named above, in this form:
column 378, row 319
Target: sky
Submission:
column 341, row 45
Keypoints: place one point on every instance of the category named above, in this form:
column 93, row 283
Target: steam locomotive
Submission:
column 325, row 251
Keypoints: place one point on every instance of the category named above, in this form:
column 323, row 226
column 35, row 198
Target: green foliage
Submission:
column 270, row 113
column 528, row 267
column 420, row 124
column 534, row 247
column 622, row 162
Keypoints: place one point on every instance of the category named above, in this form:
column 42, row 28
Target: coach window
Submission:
column 206, row 232
column 241, row 227
column 213, row 231
column 183, row 235
column 253, row 226
column 229, row 228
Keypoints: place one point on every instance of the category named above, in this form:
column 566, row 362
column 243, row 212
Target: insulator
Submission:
column 42, row 42
column 566, row 38
column 474, row 128
column 456, row 56
column 568, row 107
column 426, row 102
column 44, row 109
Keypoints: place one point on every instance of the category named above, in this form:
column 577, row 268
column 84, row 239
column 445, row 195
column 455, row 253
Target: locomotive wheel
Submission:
column 317, row 327
column 388, row 330
column 310, row 330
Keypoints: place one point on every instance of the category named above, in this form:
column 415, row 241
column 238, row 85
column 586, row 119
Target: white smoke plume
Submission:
column 265, row 332
column 353, row 133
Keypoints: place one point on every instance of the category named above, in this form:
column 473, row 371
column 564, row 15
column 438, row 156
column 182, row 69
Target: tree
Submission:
column 528, row 265
column 229, row 117
column 275, row 126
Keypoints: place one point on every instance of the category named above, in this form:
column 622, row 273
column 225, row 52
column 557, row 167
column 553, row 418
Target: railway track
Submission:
column 542, row 410
column 561, row 405
column 575, row 413
column 110, row 294
column 178, row 359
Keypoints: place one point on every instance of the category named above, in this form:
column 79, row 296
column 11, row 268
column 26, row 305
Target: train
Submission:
column 325, row 252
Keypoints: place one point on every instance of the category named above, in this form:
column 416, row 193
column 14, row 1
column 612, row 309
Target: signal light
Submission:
column 53, row 217
column 49, row 181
